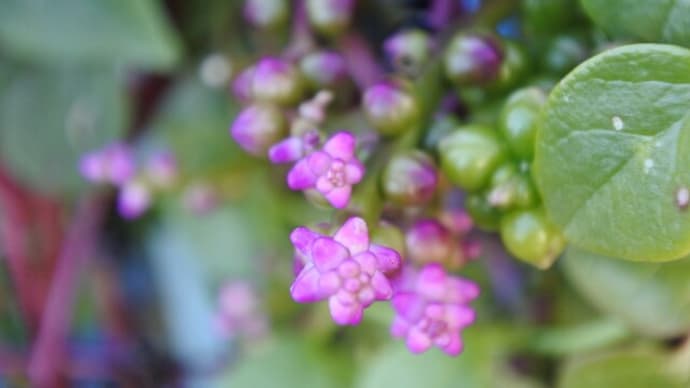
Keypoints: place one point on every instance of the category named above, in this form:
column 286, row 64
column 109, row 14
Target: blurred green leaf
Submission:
column 194, row 120
column 629, row 369
column 610, row 153
column 49, row 118
column 482, row 364
column 651, row 20
column 85, row 31
column 653, row 299
column 578, row 338
column 290, row 362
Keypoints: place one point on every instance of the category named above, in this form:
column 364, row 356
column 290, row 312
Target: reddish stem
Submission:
column 46, row 361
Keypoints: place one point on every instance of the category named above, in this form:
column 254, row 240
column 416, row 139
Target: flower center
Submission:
column 336, row 173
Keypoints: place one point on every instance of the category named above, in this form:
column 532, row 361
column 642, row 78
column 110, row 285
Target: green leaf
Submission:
column 630, row 369
column 652, row 20
column 289, row 362
column 86, row 31
column 194, row 121
column 612, row 152
column 481, row 365
column 653, row 299
column 49, row 118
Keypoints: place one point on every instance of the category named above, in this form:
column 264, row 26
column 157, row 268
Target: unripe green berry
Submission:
column 470, row 155
column 531, row 237
column 519, row 121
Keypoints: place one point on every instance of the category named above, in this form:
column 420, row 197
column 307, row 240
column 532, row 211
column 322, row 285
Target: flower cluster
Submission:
column 116, row 164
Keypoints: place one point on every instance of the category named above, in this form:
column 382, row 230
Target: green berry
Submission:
column 519, row 121
column 529, row 236
column 470, row 155
column 484, row 216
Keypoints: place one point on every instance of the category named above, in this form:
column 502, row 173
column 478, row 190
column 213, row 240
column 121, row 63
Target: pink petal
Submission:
column 302, row 238
column 300, row 176
column 324, row 185
column 92, row 168
column 459, row 316
column 418, row 341
column 327, row 254
column 381, row 286
column 408, row 305
column 354, row 170
column 345, row 314
column 399, row 327
column 461, row 291
column 133, row 200
column 341, row 146
column 432, row 282
column 329, row 283
column 367, row 262
column 339, row 197
column 455, row 345
column 319, row 162
column 354, row 235
column 286, row 151
column 305, row 289
column 388, row 259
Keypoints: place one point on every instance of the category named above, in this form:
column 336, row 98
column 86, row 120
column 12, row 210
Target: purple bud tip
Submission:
column 162, row 169
column 389, row 108
column 324, row 68
column 431, row 309
column 257, row 127
column 332, row 171
column 112, row 164
column 428, row 241
column 266, row 13
column 133, row 200
column 276, row 81
column 345, row 269
column 473, row 59
column 409, row 50
column 242, row 84
column 410, row 178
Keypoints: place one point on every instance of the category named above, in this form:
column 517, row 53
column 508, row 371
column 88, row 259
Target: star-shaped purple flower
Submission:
column 332, row 170
column 294, row 147
column 345, row 269
column 431, row 309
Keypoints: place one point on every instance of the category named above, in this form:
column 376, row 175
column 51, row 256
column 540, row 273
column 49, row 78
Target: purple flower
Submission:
column 294, row 147
column 240, row 312
column 257, row 127
column 133, row 199
column 345, row 269
column 324, row 68
column 162, row 169
column 332, row 171
column 113, row 163
column 431, row 309
column 277, row 81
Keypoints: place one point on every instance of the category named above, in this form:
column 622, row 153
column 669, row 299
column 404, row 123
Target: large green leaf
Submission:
column 613, row 151
column 48, row 118
column 290, row 362
column 651, row 20
column 653, row 299
column 630, row 369
column 482, row 365
column 103, row 31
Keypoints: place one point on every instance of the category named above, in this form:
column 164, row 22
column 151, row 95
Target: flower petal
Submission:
column 319, row 162
column 455, row 345
column 339, row 197
column 354, row 171
column 367, row 262
column 459, row 316
column 324, row 185
column 302, row 237
column 399, row 327
column 354, row 235
column 305, row 288
column 329, row 283
column 388, row 259
column 418, row 341
column 327, row 253
column 432, row 282
column 345, row 314
column 408, row 305
column 381, row 286
column 300, row 176
column 341, row 145
column 286, row 151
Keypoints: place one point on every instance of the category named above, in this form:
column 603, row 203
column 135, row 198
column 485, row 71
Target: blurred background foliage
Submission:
column 76, row 74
